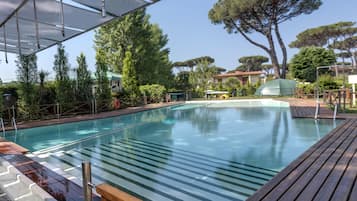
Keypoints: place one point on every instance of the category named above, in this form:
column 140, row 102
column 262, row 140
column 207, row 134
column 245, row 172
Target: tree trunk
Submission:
column 273, row 57
column 271, row 51
column 283, row 49
column 354, row 58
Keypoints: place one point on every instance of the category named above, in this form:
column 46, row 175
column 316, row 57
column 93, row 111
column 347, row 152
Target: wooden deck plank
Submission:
column 340, row 159
column 345, row 186
column 281, row 183
column 353, row 194
column 301, row 175
column 327, row 190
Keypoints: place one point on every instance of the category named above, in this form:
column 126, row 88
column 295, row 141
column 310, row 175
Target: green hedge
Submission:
column 154, row 92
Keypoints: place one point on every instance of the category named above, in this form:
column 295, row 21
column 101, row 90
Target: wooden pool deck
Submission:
column 305, row 108
column 326, row 171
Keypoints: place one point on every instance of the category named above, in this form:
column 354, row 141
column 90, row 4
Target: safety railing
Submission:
column 55, row 110
column 341, row 97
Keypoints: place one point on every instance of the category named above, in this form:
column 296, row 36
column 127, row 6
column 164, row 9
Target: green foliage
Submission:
column 155, row 92
column 103, row 91
column 42, row 76
column 27, row 77
column 48, row 93
column 340, row 36
column 130, row 83
column 191, row 63
column 64, row 91
column 252, row 63
column 84, row 80
column 327, row 82
column 263, row 17
column 61, row 66
column 231, row 84
column 307, row 88
column 182, row 81
column 304, row 64
column 322, row 35
column 147, row 43
column 251, row 90
column 202, row 78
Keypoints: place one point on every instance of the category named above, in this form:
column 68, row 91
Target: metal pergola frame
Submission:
column 33, row 45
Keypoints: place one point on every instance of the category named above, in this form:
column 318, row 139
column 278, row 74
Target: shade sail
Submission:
column 29, row 26
column 278, row 87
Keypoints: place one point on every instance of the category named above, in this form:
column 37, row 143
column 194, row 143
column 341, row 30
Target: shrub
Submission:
column 307, row 88
column 303, row 65
column 251, row 90
column 155, row 92
column 231, row 84
column 327, row 82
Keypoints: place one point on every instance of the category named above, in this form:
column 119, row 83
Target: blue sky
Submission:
column 191, row 34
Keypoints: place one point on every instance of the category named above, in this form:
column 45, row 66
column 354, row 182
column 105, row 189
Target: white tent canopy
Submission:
column 29, row 26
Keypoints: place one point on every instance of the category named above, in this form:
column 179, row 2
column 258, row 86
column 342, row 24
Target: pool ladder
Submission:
column 2, row 126
column 14, row 123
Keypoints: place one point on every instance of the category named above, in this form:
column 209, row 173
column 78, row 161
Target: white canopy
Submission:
column 29, row 26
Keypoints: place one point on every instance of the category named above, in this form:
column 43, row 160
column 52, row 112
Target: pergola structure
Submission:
column 29, row 26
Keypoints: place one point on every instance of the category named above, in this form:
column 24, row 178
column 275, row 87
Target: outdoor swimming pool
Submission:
column 197, row 151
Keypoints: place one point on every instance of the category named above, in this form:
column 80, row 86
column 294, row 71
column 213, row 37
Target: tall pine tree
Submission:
column 84, row 81
column 27, row 77
column 130, row 83
column 148, row 47
column 103, row 91
column 64, row 91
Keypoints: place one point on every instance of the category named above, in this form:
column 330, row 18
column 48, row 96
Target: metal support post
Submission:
column 18, row 34
column 335, row 111
column 317, row 111
column 36, row 25
column 62, row 18
column 104, row 13
column 87, row 181
column 5, row 44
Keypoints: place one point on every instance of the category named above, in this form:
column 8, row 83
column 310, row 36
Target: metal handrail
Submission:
column 335, row 111
column 87, row 180
column 14, row 123
column 2, row 126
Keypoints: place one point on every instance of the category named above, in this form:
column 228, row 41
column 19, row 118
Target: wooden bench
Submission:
column 7, row 147
column 109, row 193
column 326, row 171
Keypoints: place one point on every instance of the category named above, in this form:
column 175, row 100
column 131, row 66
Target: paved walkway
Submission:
column 114, row 113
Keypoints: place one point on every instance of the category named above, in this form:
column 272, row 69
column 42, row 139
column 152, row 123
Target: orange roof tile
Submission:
column 239, row 73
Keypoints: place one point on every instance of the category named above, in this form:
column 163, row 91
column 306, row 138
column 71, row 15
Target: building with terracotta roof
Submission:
column 251, row 77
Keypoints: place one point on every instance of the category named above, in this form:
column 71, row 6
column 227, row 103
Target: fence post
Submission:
column 339, row 100
column 344, row 99
column 95, row 106
column 92, row 106
column 58, row 110
column 87, row 181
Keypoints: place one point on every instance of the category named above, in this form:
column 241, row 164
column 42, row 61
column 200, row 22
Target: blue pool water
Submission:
column 198, row 151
